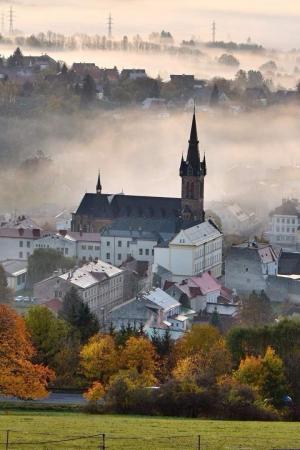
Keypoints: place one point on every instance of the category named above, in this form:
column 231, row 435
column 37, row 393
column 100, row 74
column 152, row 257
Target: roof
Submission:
column 109, row 206
column 142, row 228
column 54, row 305
column 287, row 208
column 200, row 285
column 21, row 233
column 90, row 274
column 197, row 234
column 161, row 299
column 84, row 237
column 14, row 267
column 289, row 263
column 265, row 252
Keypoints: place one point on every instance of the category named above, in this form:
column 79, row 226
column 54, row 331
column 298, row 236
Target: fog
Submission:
column 272, row 22
column 140, row 153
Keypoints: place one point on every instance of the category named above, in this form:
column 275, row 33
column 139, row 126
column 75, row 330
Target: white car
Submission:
column 20, row 298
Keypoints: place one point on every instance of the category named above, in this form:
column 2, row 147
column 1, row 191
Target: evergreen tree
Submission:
column 215, row 319
column 78, row 314
column 88, row 93
column 215, row 95
column 6, row 295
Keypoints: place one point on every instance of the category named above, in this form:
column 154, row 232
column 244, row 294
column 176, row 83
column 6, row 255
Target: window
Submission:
column 147, row 251
column 153, row 252
column 119, row 243
column 21, row 255
column 128, row 244
column 107, row 255
column 140, row 251
column 83, row 247
column 97, row 247
column 119, row 256
column 21, row 244
column 90, row 247
column 66, row 251
column 28, row 244
column 108, row 243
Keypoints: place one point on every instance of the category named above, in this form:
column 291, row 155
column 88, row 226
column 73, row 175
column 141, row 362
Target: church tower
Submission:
column 192, row 173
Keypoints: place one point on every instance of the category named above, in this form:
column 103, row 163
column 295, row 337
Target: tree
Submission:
column 18, row 375
column 228, row 60
column 256, row 309
column 202, row 355
column 88, row 93
column 78, row 314
column 6, row 294
column 43, row 262
column 95, row 392
column 214, row 97
column 139, row 354
column 215, row 320
column 17, row 59
column 265, row 374
column 99, row 358
column 48, row 333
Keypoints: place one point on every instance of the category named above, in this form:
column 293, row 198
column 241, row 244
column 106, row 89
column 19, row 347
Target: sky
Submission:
column 275, row 23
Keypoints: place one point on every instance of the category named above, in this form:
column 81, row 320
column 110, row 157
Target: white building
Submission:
column 284, row 224
column 119, row 245
column 79, row 245
column 191, row 252
column 16, row 274
column 154, row 309
column 18, row 243
column 100, row 285
column 63, row 221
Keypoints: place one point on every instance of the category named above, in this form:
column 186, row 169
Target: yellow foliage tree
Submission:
column 18, row 375
column 95, row 392
column 99, row 358
column 139, row 354
column 202, row 353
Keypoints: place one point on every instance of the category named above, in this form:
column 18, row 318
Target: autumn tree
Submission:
column 265, row 374
column 18, row 375
column 99, row 358
column 139, row 354
column 202, row 355
column 6, row 295
column 78, row 314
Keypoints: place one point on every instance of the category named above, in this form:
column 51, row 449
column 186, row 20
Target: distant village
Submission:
column 163, row 263
column 34, row 84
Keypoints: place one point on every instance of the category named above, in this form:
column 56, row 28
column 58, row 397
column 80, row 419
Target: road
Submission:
column 54, row 398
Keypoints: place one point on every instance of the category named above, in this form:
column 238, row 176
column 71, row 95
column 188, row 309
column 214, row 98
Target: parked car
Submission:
column 19, row 298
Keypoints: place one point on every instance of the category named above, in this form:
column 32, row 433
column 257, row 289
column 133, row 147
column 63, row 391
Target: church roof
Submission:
column 106, row 206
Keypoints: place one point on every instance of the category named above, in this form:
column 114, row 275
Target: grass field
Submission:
column 43, row 430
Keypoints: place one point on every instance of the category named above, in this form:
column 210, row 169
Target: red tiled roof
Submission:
column 54, row 305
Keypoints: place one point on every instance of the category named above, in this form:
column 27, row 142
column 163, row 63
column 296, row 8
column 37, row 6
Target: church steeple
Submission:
column 98, row 186
column 193, row 171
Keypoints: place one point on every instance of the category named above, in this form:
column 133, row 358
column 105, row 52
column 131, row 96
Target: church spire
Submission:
column 98, row 187
column 193, row 156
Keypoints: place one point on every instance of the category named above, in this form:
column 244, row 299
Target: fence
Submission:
column 19, row 440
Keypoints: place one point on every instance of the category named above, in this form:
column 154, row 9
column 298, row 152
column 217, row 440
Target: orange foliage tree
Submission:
column 18, row 375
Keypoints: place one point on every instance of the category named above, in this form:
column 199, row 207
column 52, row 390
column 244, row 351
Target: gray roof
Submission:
column 14, row 267
column 289, row 264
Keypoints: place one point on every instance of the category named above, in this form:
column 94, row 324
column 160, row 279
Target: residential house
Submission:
column 79, row 245
column 284, row 224
column 133, row 74
column 191, row 252
column 16, row 274
column 154, row 309
column 18, row 243
column 204, row 294
column 100, row 285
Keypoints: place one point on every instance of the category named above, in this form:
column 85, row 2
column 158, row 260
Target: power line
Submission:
column 214, row 29
column 110, row 24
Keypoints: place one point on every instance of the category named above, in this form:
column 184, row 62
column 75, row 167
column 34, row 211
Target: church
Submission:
column 164, row 215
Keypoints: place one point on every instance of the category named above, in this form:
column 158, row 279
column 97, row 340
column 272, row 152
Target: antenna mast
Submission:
column 214, row 29
column 110, row 24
